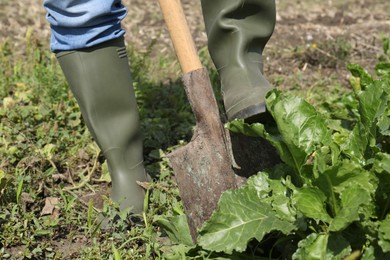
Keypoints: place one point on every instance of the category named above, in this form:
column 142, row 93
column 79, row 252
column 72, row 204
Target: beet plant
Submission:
column 329, row 199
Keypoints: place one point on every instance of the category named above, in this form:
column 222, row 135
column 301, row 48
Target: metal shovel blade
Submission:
column 203, row 167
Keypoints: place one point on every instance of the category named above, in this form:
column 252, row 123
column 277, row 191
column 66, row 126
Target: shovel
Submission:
column 203, row 167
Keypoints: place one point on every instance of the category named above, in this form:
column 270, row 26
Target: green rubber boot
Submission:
column 238, row 31
column 100, row 79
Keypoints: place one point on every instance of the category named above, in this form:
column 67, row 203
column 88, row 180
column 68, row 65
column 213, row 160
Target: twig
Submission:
column 84, row 204
column 327, row 53
column 359, row 40
column 87, row 178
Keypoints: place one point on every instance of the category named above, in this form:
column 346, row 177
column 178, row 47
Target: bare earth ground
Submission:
column 299, row 23
column 288, row 63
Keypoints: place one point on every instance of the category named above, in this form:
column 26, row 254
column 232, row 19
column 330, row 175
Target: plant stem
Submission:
column 385, row 209
column 333, row 198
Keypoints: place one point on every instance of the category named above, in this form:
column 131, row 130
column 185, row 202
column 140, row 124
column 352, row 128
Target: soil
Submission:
column 360, row 23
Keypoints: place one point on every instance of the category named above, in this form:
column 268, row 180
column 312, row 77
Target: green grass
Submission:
column 46, row 152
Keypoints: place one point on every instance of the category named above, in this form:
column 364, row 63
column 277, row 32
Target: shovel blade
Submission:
column 203, row 167
column 203, row 172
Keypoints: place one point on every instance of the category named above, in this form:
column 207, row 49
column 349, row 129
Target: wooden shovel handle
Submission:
column 180, row 34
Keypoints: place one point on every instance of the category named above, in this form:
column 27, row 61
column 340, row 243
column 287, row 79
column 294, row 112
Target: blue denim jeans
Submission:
column 77, row 24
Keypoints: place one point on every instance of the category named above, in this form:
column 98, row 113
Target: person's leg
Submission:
column 100, row 79
column 77, row 24
column 238, row 31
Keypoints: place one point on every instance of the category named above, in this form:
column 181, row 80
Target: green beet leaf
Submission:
column 382, row 69
column 384, row 123
column 371, row 105
column 356, row 143
column 352, row 202
column 176, row 252
column 382, row 163
column 177, row 228
column 280, row 201
column 358, row 72
column 276, row 191
column 241, row 216
column 384, row 113
column 384, row 234
column 342, row 175
column 369, row 253
column 311, row 202
column 373, row 113
column 348, row 189
column 381, row 168
column 322, row 246
column 301, row 129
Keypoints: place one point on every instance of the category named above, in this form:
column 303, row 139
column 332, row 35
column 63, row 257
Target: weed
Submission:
column 326, row 54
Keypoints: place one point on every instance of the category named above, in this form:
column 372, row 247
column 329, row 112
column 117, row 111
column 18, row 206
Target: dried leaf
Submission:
column 145, row 185
column 25, row 199
column 50, row 205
